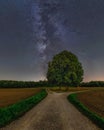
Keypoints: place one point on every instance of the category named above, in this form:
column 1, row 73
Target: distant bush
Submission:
column 92, row 84
column 14, row 111
column 95, row 118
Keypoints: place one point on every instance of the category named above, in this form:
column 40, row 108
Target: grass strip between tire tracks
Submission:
column 99, row 121
column 16, row 110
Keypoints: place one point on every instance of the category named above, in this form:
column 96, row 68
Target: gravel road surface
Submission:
column 53, row 113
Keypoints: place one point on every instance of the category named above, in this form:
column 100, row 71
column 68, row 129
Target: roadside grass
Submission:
column 99, row 121
column 16, row 110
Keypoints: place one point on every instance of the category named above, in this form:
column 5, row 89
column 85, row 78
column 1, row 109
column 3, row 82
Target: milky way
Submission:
column 48, row 30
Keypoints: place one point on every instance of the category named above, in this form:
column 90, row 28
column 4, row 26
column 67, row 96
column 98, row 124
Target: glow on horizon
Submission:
column 42, row 78
column 95, row 78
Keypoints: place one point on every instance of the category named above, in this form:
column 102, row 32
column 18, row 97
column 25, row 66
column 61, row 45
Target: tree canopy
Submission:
column 65, row 69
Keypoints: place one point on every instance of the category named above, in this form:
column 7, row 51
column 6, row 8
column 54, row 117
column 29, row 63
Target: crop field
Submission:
column 11, row 96
column 94, row 100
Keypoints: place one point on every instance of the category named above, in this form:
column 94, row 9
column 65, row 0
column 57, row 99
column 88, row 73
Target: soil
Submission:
column 94, row 100
column 11, row 96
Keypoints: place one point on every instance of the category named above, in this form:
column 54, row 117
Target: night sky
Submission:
column 32, row 31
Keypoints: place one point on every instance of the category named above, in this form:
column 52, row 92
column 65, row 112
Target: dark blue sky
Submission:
column 32, row 31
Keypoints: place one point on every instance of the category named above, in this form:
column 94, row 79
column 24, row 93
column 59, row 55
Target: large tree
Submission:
column 65, row 69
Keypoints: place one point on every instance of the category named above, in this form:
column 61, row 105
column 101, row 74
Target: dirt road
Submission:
column 53, row 113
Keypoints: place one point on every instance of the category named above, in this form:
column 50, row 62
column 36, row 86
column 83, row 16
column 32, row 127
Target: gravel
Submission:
column 53, row 113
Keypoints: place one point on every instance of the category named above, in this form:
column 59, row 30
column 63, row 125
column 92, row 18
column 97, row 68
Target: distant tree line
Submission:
column 22, row 84
column 33, row 84
column 92, row 84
